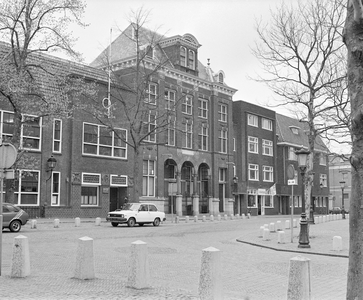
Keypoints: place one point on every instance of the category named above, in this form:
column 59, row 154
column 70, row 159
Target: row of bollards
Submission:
column 56, row 223
column 139, row 274
column 211, row 218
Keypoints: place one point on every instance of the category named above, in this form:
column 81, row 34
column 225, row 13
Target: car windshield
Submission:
column 131, row 206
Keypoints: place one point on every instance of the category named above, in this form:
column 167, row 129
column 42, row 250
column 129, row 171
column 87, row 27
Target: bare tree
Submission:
column 302, row 54
column 148, row 117
column 31, row 82
column 354, row 43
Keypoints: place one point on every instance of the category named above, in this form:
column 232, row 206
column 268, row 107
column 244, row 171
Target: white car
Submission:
column 136, row 213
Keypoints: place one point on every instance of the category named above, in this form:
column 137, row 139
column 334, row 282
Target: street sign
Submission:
column 290, row 172
column 291, row 182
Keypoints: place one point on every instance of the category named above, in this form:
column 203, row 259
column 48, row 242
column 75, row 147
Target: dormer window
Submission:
column 191, row 60
column 183, row 56
column 220, row 78
column 149, row 51
column 294, row 129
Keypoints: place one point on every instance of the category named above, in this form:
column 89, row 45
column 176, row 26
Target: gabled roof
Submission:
column 292, row 132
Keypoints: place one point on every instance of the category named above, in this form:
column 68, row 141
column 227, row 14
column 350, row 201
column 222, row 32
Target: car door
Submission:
column 143, row 214
column 7, row 215
column 153, row 212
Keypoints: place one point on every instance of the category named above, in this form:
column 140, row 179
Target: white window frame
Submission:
column 222, row 113
column 268, row 173
column 151, row 127
column 170, row 96
column 188, row 143
column 53, row 193
column 171, row 132
column 252, row 120
column 267, row 147
column 191, row 59
column 292, row 154
column 119, row 184
column 147, row 178
column 253, row 168
column 151, row 93
column 187, row 104
column 91, row 184
column 203, row 136
column 267, row 124
column 98, row 145
column 252, row 144
column 203, row 108
column 55, row 140
column 19, row 193
column 183, row 62
column 23, row 137
column 223, row 140
column 264, row 201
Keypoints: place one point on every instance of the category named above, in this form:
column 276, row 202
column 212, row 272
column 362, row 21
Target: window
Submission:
column 292, row 154
column 252, row 144
column 27, row 188
column 203, row 108
column 191, row 60
column 57, row 136
column 171, row 132
column 151, row 93
column 55, row 189
column 266, row 124
column 222, row 175
column 183, row 56
column 267, row 200
column 188, row 140
column 268, row 173
column 251, row 201
column 148, row 178
column 220, row 78
column 323, row 180
column 7, row 125
column 90, row 189
column 203, row 137
column 267, row 147
column 223, row 140
column 252, row 120
column 322, row 159
column 101, row 141
column 150, row 51
column 31, row 132
column 187, row 104
column 169, row 96
column 150, row 127
column 253, row 172
column 222, row 112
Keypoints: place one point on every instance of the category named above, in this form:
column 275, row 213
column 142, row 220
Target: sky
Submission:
column 225, row 29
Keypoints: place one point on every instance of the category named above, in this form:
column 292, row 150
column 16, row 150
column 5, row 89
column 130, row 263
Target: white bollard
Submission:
column 316, row 219
column 248, row 216
column 225, row 217
column 177, row 219
column 20, row 262
column 294, row 221
column 243, row 216
column 204, row 218
column 287, row 224
column 56, row 223
column 278, row 225
column 85, row 265
column 139, row 274
column 266, row 234
column 337, row 243
column 211, row 218
column 237, row 216
column 260, row 234
column 33, row 224
column 77, row 222
column 187, row 219
column 210, row 283
column 299, row 287
column 281, row 237
column 320, row 219
column 98, row 222
column 324, row 219
column 195, row 218
column 219, row 217
column 272, row 227
column 266, row 226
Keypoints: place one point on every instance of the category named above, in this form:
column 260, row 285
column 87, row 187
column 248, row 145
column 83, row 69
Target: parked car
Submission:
column 136, row 213
column 335, row 210
column 14, row 217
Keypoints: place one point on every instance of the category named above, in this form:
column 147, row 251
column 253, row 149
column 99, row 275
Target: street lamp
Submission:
column 342, row 185
column 302, row 156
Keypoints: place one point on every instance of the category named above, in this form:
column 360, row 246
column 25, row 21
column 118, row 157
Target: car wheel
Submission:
column 131, row 222
column 114, row 224
column 15, row 226
column 141, row 224
column 156, row 222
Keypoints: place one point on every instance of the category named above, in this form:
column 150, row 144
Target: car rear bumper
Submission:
column 116, row 219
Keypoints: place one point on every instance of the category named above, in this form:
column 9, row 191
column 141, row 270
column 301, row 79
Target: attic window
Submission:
column 220, row 78
column 191, row 59
column 294, row 129
column 183, row 56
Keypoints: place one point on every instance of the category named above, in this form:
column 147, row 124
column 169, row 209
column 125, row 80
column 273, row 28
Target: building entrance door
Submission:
column 117, row 197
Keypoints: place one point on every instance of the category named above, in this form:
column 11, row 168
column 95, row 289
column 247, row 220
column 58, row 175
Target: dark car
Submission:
column 335, row 211
column 13, row 217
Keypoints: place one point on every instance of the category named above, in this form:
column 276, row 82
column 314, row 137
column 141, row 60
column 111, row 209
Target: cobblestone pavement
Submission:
column 252, row 269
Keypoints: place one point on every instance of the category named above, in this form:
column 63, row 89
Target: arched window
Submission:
column 191, row 60
column 220, row 77
column 183, row 56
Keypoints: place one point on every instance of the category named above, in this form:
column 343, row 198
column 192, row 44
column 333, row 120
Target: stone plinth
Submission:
column 85, row 265
column 299, row 287
column 20, row 262
column 210, row 283
column 139, row 274
column 337, row 243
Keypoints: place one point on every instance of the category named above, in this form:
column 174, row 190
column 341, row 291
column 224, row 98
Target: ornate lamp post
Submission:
column 302, row 156
column 342, row 185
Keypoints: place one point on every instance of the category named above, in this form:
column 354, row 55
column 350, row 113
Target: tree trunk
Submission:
column 353, row 38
